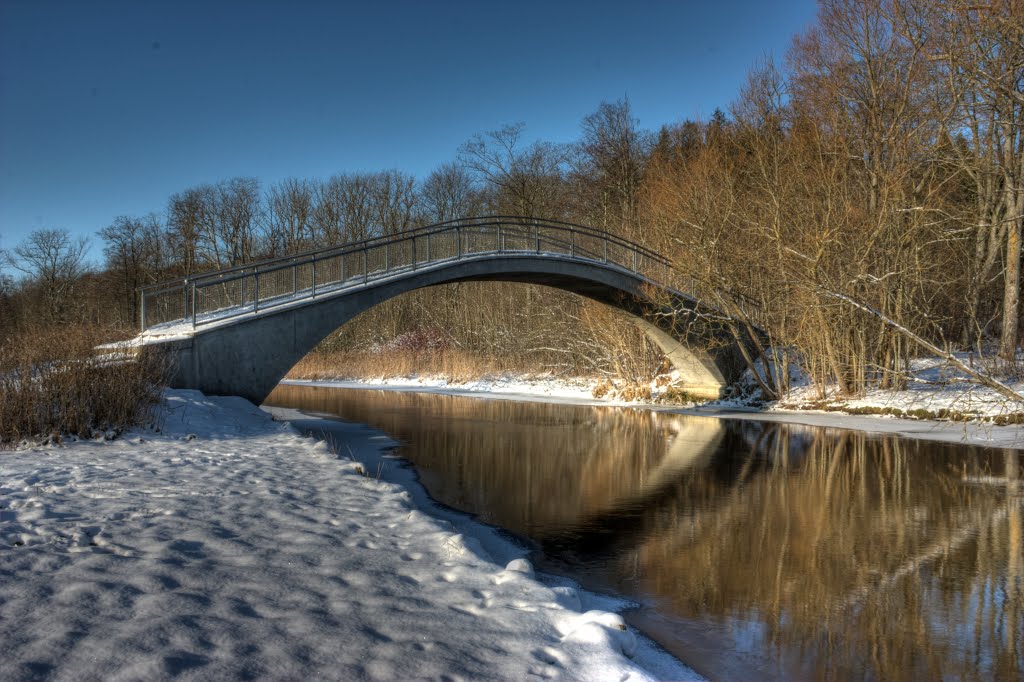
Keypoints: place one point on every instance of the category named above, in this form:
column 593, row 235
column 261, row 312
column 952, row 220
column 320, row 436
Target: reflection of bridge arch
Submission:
column 239, row 331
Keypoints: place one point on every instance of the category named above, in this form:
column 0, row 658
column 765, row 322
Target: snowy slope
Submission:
column 228, row 546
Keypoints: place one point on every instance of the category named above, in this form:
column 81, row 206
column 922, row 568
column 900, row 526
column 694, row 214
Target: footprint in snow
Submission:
column 550, row 656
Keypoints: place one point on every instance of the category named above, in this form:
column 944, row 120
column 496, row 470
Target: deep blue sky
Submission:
column 108, row 107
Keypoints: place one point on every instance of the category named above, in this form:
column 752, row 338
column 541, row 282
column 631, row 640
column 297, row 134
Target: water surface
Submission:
column 758, row 550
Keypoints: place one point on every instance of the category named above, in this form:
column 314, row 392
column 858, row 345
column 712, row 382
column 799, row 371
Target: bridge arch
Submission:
column 248, row 352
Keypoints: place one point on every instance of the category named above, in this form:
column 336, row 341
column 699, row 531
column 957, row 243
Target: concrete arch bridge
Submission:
column 239, row 330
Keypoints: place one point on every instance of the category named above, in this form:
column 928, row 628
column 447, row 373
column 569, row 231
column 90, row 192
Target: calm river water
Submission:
column 758, row 550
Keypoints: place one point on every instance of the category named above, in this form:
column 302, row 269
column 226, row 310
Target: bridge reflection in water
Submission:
column 764, row 550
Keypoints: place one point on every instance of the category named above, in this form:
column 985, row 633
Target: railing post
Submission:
column 313, row 281
column 414, row 253
column 536, row 232
column 184, row 299
column 501, row 239
column 366, row 268
column 572, row 243
column 256, row 292
column 429, row 236
column 605, row 240
column 142, row 310
column 634, row 260
column 295, row 281
column 193, row 305
column 387, row 256
column 341, row 258
column 458, row 238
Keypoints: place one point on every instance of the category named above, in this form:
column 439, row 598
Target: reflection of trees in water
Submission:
column 531, row 466
column 871, row 553
column 846, row 554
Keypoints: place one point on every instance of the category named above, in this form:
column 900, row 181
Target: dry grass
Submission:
column 53, row 384
column 452, row 364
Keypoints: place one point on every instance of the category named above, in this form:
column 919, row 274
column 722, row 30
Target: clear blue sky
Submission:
column 108, row 107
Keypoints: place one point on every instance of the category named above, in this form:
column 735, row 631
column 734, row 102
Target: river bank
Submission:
column 225, row 544
column 930, row 395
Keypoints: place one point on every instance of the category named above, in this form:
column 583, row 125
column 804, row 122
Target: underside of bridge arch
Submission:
column 249, row 355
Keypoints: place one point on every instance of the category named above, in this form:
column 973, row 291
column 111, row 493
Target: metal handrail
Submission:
column 227, row 292
column 380, row 239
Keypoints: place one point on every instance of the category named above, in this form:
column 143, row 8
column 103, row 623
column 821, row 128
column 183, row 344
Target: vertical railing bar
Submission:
column 572, row 243
column 341, row 258
column 295, row 279
column 458, row 238
column 414, row 252
column 193, row 305
column 312, row 283
column 366, row 268
column 142, row 311
column 256, row 291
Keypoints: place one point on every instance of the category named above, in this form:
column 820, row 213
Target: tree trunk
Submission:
column 1011, row 294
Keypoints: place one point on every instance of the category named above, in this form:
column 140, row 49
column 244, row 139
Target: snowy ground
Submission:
column 933, row 386
column 227, row 546
column 549, row 389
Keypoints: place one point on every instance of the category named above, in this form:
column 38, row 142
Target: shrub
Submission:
column 635, row 391
column 602, row 388
column 54, row 382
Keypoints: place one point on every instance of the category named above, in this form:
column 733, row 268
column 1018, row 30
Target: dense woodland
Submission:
column 864, row 189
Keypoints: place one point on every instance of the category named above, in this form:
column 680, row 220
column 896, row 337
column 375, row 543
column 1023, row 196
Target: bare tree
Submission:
column 215, row 225
column 982, row 48
column 343, row 209
column 188, row 215
column 7, row 315
column 525, row 180
column 135, row 256
column 609, row 166
column 287, row 226
column 238, row 210
column 449, row 193
column 393, row 197
column 53, row 261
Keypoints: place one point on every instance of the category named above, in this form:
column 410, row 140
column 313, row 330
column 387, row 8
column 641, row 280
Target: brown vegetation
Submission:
column 53, row 383
column 454, row 365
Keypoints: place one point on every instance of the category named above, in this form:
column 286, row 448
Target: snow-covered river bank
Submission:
column 579, row 392
column 226, row 545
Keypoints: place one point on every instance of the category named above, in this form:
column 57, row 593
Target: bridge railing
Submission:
column 244, row 289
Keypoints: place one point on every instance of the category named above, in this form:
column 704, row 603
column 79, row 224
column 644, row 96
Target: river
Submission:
column 756, row 550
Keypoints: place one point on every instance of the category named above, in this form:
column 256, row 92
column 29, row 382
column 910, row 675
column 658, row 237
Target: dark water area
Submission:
column 758, row 550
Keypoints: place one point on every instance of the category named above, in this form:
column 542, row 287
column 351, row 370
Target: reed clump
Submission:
column 56, row 383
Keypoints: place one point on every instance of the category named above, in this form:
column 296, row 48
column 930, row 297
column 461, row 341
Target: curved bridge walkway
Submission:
column 239, row 330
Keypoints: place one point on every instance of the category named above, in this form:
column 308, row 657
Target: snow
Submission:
column 508, row 387
column 933, row 386
column 227, row 545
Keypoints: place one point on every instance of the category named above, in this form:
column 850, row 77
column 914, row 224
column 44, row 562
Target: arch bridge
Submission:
column 238, row 331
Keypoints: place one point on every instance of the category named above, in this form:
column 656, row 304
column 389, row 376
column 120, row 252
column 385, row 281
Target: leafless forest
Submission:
column 866, row 189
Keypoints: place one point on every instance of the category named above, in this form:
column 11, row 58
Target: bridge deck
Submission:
column 177, row 308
